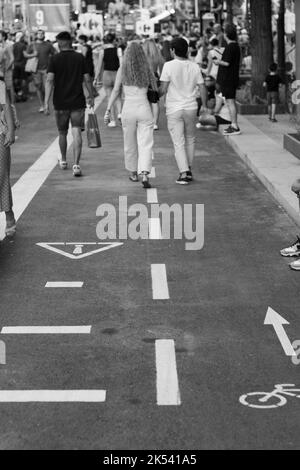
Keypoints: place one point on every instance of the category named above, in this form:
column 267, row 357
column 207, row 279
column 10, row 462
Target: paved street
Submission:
column 181, row 393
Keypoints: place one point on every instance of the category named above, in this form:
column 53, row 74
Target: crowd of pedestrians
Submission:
column 194, row 79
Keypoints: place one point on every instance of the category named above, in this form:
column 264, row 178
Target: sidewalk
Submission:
column 260, row 146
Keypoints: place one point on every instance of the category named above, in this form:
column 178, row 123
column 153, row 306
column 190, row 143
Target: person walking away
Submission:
column 180, row 80
column 67, row 72
column 43, row 50
column 272, row 83
column 135, row 76
column 7, row 138
column 228, row 76
column 19, row 74
column 86, row 51
column 110, row 58
column 156, row 62
column 8, row 64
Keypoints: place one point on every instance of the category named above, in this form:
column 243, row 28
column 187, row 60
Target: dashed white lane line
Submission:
column 160, row 289
column 45, row 330
column 9, row 396
column 152, row 173
column 154, row 229
column 167, row 387
column 64, row 284
column 30, row 182
column 152, row 196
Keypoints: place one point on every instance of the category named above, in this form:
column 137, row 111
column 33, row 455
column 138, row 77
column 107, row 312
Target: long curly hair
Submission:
column 153, row 55
column 136, row 69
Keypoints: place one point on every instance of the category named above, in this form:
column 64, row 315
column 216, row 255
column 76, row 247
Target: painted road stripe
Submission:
column 153, row 173
column 160, row 290
column 167, row 388
column 30, row 182
column 154, row 229
column 152, row 196
column 45, row 330
column 64, row 284
column 52, row 396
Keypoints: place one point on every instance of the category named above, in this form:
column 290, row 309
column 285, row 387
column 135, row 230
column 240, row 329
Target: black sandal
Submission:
column 145, row 181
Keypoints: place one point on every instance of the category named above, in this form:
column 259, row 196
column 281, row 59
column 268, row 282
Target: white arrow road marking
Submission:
column 46, row 330
column 30, row 182
column 64, row 284
column 152, row 196
column 273, row 318
column 160, row 289
column 2, row 353
column 167, row 388
column 104, row 247
column 154, row 229
column 9, row 396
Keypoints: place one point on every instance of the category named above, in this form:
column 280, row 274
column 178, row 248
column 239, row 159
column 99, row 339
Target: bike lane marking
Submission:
column 154, row 229
column 160, row 289
column 66, row 284
column 167, row 387
column 152, row 196
column 152, row 173
column 46, row 330
column 31, row 181
column 9, row 396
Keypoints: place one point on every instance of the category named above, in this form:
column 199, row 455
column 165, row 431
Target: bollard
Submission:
column 2, row 353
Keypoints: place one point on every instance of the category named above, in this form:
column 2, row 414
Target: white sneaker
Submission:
column 155, row 127
column 293, row 250
column 112, row 124
column 76, row 170
column 295, row 265
column 41, row 110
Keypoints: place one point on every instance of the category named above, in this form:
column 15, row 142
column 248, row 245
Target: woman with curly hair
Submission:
column 136, row 77
column 156, row 62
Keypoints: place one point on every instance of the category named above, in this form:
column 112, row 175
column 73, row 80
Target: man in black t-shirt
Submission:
column 67, row 72
column 228, row 76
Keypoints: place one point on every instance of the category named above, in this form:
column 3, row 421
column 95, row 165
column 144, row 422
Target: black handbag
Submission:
column 152, row 95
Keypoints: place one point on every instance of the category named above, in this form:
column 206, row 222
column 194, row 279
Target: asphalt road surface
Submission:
column 151, row 346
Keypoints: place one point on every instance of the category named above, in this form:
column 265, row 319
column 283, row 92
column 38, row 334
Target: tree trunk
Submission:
column 281, row 40
column 261, row 42
column 229, row 8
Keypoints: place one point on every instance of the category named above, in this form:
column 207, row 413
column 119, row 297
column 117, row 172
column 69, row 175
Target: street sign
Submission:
column 144, row 28
column 51, row 16
column 78, row 250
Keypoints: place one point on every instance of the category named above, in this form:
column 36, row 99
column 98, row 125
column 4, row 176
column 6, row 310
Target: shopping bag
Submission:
column 31, row 65
column 93, row 133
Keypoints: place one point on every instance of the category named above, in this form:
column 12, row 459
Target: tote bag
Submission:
column 93, row 132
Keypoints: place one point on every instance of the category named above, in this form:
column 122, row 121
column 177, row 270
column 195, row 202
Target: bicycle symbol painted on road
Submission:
column 268, row 400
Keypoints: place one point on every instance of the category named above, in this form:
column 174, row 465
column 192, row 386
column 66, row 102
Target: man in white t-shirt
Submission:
column 180, row 79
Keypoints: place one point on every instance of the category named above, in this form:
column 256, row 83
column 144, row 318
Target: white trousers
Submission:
column 182, row 128
column 137, row 123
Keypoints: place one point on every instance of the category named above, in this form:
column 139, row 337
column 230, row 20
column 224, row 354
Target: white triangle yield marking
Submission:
column 104, row 247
